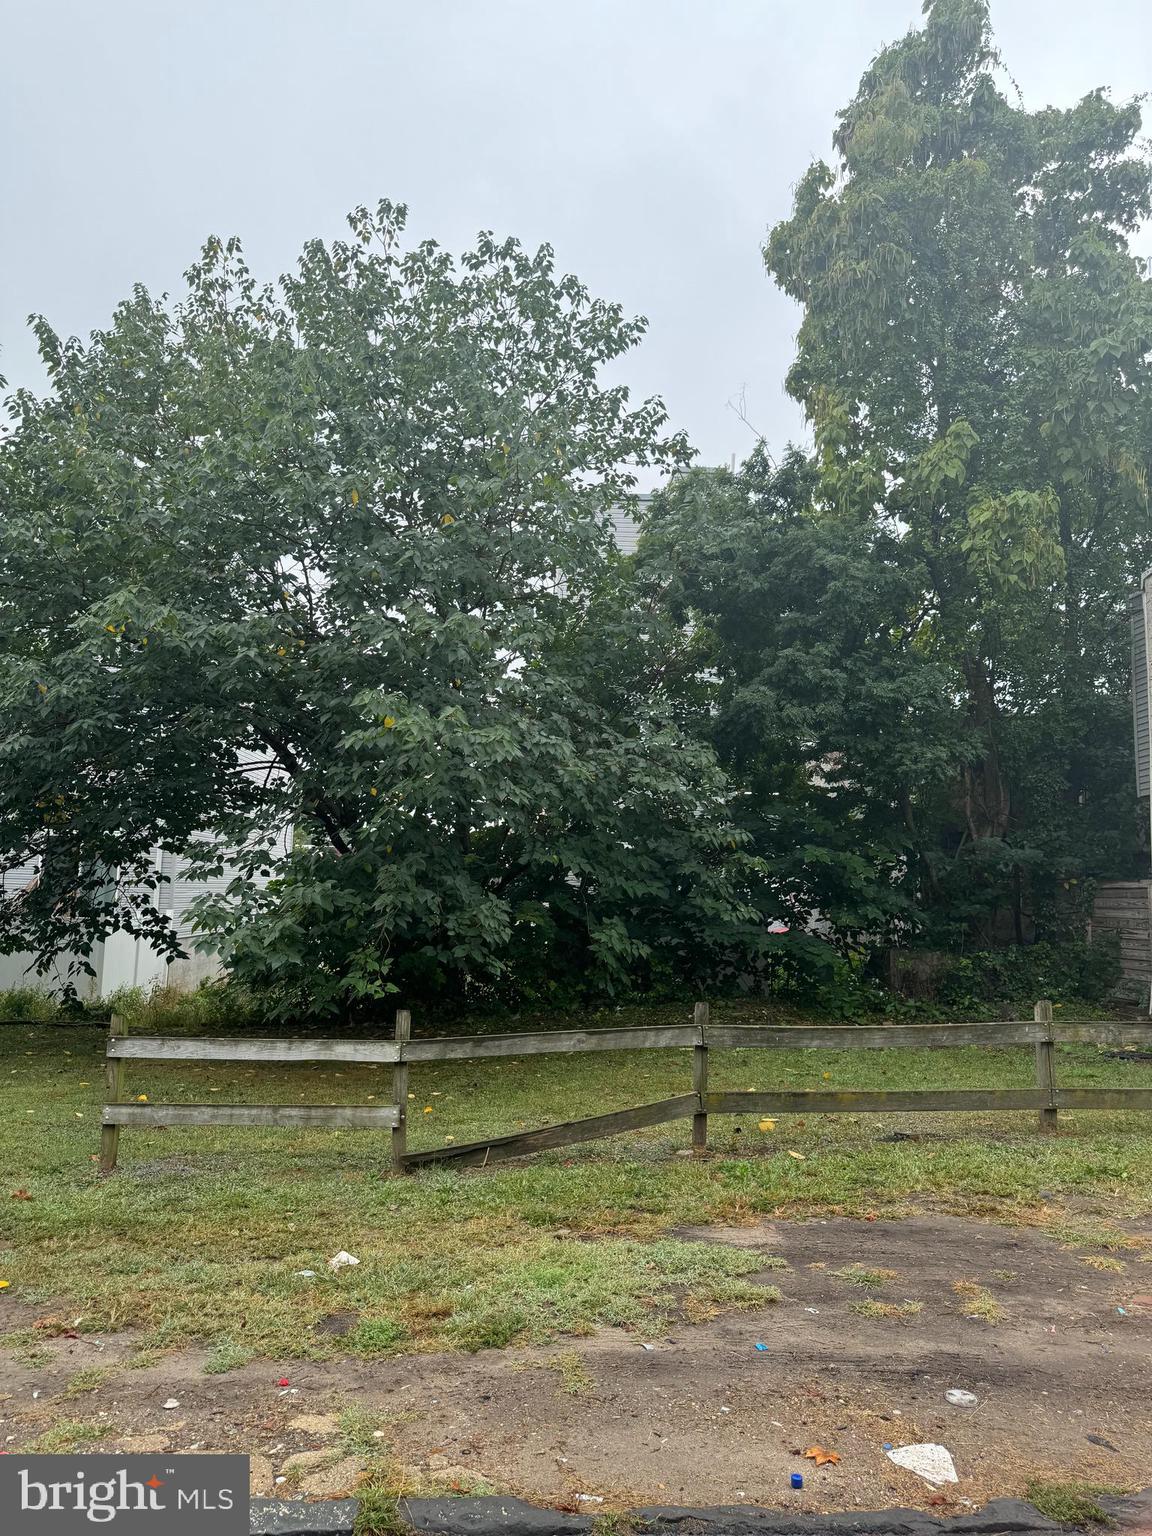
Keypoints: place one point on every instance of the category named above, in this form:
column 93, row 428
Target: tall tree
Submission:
column 333, row 556
column 975, row 357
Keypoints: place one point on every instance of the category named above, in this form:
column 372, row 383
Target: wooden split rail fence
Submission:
column 701, row 1036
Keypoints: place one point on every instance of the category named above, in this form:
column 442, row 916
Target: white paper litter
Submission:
column 961, row 1399
column 931, row 1462
column 306, row 1274
column 171, row 1403
column 342, row 1260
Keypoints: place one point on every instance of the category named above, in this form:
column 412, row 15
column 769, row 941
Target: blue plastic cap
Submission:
column 797, row 1480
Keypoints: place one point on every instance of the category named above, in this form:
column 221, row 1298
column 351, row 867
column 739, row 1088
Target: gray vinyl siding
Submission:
column 1136, row 607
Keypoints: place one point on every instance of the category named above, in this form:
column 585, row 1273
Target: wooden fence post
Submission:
column 1046, row 1068
column 113, row 1094
column 700, row 1078
column 400, row 1092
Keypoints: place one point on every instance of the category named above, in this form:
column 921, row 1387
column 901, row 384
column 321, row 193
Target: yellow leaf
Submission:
column 827, row 1077
column 767, row 1125
column 799, row 1156
column 447, row 520
column 427, row 1109
column 819, row 1455
column 373, row 791
column 354, row 497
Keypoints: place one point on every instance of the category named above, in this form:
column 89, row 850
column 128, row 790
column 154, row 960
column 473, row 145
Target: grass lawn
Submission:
column 199, row 1234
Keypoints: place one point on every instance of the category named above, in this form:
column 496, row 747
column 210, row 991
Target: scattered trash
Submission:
column 4, row 1284
column 799, row 1156
column 590, row 1498
column 797, row 1480
column 342, row 1260
column 1100, row 1440
column 763, row 1348
column 171, row 1403
column 961, row 1399
column 648, row 1346
column 283, row 1382
column 280, row 1480
column 887, row 1445
column 305, row 1274
column 821, row 1457
column 1122, row 1311
column 288, row 1392
column 931, row 1462
column 36, row 1393
column 815, row 1311
column 728, row 1410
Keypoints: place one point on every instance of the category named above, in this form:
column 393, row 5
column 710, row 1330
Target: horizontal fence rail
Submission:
column 1042, row 1033
column 219, row 1048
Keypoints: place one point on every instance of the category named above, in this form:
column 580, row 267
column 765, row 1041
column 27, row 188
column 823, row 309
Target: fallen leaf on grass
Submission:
column 820, row 1456
column 767, row 1125
column 20, row 1194
column 799, row 1156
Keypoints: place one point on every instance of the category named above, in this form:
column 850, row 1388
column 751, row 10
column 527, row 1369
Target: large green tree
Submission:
column 975, row 358
column 332, row 557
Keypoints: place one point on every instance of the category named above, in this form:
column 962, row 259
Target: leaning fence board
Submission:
column 563, row 1135
column 476, row 1047
column 855, row 1037
column 344, row 1116
column 817, row 1102
column 253, row 1048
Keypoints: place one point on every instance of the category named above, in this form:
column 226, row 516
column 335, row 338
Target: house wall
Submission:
column 1125, row 907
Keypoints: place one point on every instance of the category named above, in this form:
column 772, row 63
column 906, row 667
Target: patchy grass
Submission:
column 1104, row 1262
column 867, row 1279
column 88, row 1380
column 202, row 1226
column 1071, row 1503
column 66, row 1436
column 574, row 1375
column 225, row 1355
column 891, row 1310
column 978, row 1303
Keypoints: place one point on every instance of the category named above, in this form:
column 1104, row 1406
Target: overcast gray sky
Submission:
column 652, row 142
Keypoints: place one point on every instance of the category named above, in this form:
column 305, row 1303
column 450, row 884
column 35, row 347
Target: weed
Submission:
column 1071, row 1503
column 87, row 1380
column 1104, row 1262
column 978, row 1303
column 868, row 1279
column 869, row 1307
column 67, row 1435
column 225, row 1355
column 359, row 1430
column 375, row 1336
column 574, row 1375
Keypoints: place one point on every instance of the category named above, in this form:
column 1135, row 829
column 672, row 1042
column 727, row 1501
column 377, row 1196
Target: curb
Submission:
column 456, row 1516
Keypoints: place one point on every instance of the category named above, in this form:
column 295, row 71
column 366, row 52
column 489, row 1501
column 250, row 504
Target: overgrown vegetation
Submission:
column 340, row 545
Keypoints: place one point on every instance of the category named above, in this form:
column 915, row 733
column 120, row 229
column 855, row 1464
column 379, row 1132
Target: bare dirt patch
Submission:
column 702, row 1416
